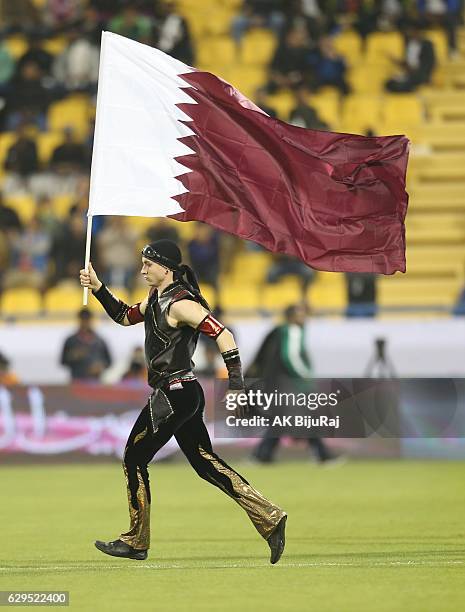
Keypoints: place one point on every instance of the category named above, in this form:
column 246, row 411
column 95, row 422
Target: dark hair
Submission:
column 190, row 282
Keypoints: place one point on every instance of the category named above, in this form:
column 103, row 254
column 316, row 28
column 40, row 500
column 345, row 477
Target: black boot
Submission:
column 117, row 548
column 277, row 541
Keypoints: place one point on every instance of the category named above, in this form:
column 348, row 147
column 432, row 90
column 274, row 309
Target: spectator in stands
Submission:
column 19, row 15
column 443, row 13
column 117, row 247
column 137, row 369
column 37, row 55
column 60, row 13
column 7, row 377
column 172, row 33
column 77, row 67
column 21, row 159
column 204, row 254
column 329, row 68
column 29, row 98
column 71, row 156
column 9, row 219
column 7, row 67
column 303, row 114
column 418, row 63
column 132, row 24
column 284, row 265
column 47, row 217
column 29, row 257
column 85, row 353
column 261, row 102
column 258, row 14
column 162, row 229
column 68, row 247
column 290, row 66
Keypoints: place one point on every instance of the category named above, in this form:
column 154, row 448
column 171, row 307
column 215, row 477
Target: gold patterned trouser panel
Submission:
column 264, row 514
column 138, row 535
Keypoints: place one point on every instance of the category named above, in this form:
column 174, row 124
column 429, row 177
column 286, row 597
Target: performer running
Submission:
column 174, row 313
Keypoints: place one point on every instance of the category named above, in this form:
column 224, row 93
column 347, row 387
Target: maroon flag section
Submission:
column 336, row 201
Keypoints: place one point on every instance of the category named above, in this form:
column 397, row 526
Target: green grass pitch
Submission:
column 367, row 536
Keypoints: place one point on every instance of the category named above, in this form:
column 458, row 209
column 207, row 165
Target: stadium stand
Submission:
column 433, row 117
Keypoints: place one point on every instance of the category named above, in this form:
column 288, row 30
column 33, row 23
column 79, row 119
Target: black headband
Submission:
column 153, row 255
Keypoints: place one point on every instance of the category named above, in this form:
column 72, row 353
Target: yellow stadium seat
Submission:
column 73, row 112
column 24, row 205
column 360, row 113
column 238, row 297
column 140, row 293
column 47, row 143
column 17, row 45
column 247, row 79
column 326, row 103
column 217, row 51
column 256, row 263
column 328, row 291
column 218, row 22
column 55, row 45
column 282, row 102
column 349, row 44
column 209, row 294
column 382, row 45
column 62, row 204
column 20, row 302
column 65, row 299
column 258, row 47
column 402, row 111
column 284, row 293
column 368, row 77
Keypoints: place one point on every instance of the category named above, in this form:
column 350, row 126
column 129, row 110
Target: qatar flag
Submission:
column 173, row 141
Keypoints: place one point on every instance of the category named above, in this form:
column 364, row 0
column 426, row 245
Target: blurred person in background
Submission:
column 7, row 376
column 70, row 157
column 303, row 114
column 329, row 67
column 259, row 14
column 172, row 33
column 131, row 23
column 85, row 353
column 29, row 257
column 19, row 16
column 162, row 229
column 76, row 68
column 7, row 67
column 21, row 161
column 285, row 265
column 117, row 245
column 37, row 55
column 416, row 68
column 60, row 13
column 204, row 254
column 29, row 98
column 290, row 66
column 283, row 363
column 137, row 369
column 9, row 218
column 68, row 246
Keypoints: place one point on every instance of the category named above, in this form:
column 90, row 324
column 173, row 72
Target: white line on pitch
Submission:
column 233, row 566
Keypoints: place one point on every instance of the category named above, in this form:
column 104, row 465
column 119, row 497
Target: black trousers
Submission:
column 187, row 425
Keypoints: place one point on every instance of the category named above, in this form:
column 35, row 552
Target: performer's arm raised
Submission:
column 187, row 312
column 118, row 310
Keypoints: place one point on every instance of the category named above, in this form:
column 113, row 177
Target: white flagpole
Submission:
column 87, row 257
column 94, row 163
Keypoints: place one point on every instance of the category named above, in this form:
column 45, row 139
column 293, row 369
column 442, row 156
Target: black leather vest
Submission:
column 168, row 350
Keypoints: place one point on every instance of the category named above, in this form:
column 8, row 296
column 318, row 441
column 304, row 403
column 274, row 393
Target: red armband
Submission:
column 134, row 314
column 211, row 327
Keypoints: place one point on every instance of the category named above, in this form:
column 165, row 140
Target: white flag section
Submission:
column 136, row 131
